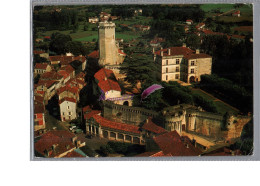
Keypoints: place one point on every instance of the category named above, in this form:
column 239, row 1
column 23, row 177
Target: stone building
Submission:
column 41, row 68
column 112, row 130
column 182, row 64
column 110, row 56
column 68, row 108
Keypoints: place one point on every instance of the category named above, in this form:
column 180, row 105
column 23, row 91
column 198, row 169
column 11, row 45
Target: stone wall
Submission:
column 126, row 114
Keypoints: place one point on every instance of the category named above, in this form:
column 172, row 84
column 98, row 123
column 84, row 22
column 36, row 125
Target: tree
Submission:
column 193, row 41
column 138, row 67
column 58, row 42
column 76, row 48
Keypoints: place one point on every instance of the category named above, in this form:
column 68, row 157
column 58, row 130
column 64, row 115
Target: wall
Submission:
column 125, row 114
column 107, row 45
column 64, row 109
column 204, row 66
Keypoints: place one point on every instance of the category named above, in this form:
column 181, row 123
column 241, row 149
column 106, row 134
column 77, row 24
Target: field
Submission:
column 221, row 7
column 221, row 106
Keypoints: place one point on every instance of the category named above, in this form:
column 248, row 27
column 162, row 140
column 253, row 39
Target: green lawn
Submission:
column 221, row 107
column 222, row 7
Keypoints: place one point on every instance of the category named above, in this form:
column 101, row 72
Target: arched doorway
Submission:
column 192, row 79
column 126, row 103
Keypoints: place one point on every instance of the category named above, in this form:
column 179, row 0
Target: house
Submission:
column 57, row 144
column 65, row 75
column 104, row 128
column 41, row 68
column 94, row 54
column 39, row 120
column 189, row 22
column 236, row 13
column 66, row 60
column 70, row 92
column 93, row 20
column 171, row 144
column 104, row 16
column 54, row 76
column 46, row 86
column 156, row 42
column 68, row 108
column 69, row 69
column 200, row 26
column 182, row 63
column 41, row 53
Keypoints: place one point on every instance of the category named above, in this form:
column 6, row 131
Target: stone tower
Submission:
column 108, row 51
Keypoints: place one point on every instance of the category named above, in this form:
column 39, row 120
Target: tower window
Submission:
column 177, row 61
column 166, row 78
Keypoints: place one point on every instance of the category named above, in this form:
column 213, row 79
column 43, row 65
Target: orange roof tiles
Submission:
column 67, row 99
column 63, row 73
column 103, row 73
column 172, row 144
column 109, row 85
column 66, row 60
column 120, row 52
column 150, row 126
column 91, row 114
column 116, row 125
column 175, row 51
column 68, row 69
column 94, row 54
column 46, row 83
column 61, row 139
column 69, row 89
column 42, row 66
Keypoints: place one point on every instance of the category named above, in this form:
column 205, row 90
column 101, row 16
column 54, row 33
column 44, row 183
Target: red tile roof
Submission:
column 61, row 138
column 189, row 20
column 38, row 52
column 108, row 85
column 103, row 73
column 116, row 125
column 150, row 126
column 42, row 66
column 68, row 69
column 175, row 51
column 67, row 99
column 46, row 83
column 51, row 76
column 63, row 73
column 91, row 114
column 120, row 52
column 86, row 109
column 74, row 90
column 66, row 60
column 38, row 108
column 94, row 54
column 172, row 144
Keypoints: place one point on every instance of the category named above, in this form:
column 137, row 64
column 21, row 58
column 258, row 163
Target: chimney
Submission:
column 184, row 45
column 161, row 53
column 169, row 51
column 197, row 51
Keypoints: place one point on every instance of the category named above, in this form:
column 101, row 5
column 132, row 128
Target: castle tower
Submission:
column 108, row 51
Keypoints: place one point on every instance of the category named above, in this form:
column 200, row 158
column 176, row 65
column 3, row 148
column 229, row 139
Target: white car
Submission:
column 73, row 127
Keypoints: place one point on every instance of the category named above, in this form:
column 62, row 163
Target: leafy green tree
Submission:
column 193, row 41
column 58, row 43
column 76, row 48
column 138, row 67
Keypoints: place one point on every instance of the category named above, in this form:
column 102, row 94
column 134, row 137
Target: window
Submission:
column 63, row 113
column 166, row 70
column 166, row 62
column 69, row 113
column 166, row 77
column 192, row 70
column 68, row 107
column 177, row 61
column 192, row 63
column 177, row 69
column 177, row 76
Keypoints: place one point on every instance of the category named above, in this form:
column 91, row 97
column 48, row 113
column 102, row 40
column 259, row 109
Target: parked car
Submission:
column 72, row 127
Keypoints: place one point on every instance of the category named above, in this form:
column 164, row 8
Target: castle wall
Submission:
column 126, row 114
